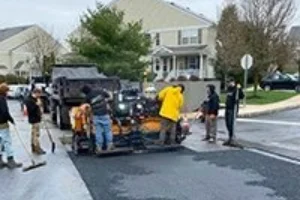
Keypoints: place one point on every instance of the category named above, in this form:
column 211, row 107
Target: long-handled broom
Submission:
column 53, row 145
column 33, row 165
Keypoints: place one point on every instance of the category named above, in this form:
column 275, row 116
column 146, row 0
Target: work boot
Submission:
column 39, row 151
column 2, row 163
column 110, row 147
column 205, row 139
column 12, row 164
column 228, row 142
column 98, row 150
column 212, row 140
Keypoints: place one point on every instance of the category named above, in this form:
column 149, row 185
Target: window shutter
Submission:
column 199, row 36
column 179, row 37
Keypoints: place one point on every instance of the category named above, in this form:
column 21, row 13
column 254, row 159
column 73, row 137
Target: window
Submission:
column 165, row 64
column 191, row 36
column 192, row 63
column 157, row 39
column 148, row 36
column 157, row 65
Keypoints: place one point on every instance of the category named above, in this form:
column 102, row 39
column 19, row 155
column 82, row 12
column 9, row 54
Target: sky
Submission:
column 60, row 17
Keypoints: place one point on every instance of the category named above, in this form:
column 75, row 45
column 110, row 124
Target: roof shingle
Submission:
column 9, row 32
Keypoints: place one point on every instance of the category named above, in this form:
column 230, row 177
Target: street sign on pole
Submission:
column 246, row 63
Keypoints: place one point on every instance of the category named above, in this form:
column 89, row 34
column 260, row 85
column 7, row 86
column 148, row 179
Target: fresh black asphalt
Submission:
column 187, row 175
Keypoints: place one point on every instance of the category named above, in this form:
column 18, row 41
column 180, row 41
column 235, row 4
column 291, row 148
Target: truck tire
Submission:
column 53, row 105
column 59, row 118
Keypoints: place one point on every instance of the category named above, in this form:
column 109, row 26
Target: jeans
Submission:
column 5, row 142
column 103, row 129
column 229, row 120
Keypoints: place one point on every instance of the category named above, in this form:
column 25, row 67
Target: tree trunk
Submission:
column 256, row 82
column 225, row 80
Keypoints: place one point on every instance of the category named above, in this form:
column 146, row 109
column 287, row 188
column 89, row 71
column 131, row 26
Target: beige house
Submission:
column 183, row 41
column 22, row 48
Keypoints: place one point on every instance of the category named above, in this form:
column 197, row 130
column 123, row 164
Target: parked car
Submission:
column 280, row 81
column 15, row 91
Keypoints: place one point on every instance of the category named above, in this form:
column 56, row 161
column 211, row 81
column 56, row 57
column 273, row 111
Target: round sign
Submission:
column 247, row 62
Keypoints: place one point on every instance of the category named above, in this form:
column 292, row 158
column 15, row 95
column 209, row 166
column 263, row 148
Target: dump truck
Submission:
column 67, row 82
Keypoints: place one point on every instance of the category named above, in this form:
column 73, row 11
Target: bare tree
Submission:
column 230, row 42
column 44, row 49
column 266, row 23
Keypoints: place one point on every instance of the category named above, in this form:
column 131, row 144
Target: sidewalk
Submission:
column 58, row 180
column 256, row 110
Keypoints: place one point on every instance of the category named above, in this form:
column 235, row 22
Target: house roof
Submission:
column 180, row 50
column 19, row 65
column 9, row 32
column 295, row 33
column 189, row 11
column 175, row 6
column 3, row 67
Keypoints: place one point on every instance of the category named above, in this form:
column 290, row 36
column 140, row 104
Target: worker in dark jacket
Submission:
column 34, row 108
column 234, row 95
column 98, row 100
column 211, row 114
column 5, row 138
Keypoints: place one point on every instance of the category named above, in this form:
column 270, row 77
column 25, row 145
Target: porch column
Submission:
column 201, row 67
column 153, row 64
column 175, row 66
column 161, row 67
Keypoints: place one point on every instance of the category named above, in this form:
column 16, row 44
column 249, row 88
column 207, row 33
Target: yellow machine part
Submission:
column 151, row 124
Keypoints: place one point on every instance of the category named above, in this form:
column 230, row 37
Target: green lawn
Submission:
column 264, row 97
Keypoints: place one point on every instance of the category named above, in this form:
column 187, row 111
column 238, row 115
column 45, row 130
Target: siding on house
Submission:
column 156, row 14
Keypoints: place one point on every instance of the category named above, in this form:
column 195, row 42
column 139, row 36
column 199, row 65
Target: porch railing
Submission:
column 185, row 72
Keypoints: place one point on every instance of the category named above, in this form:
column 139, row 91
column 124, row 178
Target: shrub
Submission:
column 182, row 78
column 194, row 78
column 160, row 80
column 14, row 79
column 2, row 78
column 172, row 79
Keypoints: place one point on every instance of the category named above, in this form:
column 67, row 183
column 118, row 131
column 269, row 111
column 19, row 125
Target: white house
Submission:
column 183, row 42
column 21, row 48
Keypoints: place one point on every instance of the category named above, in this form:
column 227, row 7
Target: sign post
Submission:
column 246, row 63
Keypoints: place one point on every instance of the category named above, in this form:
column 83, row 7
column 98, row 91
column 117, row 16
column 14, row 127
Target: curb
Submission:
column 256, row 113
column 266, row 112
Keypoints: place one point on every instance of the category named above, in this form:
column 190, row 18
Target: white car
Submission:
column 15, row 91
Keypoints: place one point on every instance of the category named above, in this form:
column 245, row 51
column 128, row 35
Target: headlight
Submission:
column 122, row 106
column 139, row 106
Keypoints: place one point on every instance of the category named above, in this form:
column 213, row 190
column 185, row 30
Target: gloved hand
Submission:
column 85, row 127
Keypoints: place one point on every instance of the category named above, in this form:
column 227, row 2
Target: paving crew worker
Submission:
column 5, row 138
column 34, row 109
column 232, row 104
column 172, row 100
column 98, row 100
column 211, row 114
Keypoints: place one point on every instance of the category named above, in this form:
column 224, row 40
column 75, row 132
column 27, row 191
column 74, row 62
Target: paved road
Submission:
column 278, row 133
column 218, row 175
column 207, row 171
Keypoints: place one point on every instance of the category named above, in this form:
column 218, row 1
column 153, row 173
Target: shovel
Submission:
column 34, row 164
column 53, row 145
